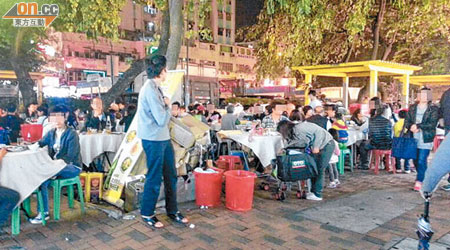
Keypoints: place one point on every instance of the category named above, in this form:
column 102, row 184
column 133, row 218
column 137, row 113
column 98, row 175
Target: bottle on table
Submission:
column 108, row 125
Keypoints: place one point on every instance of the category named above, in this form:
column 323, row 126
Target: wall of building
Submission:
column 222, row 61
column 238, row 62
column 223, row 20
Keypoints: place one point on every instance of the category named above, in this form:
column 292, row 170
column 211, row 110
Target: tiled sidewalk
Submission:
column 270, row 225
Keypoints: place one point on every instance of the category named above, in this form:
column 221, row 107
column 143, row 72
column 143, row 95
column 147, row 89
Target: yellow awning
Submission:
column 9, row 74
column 428, row 79
column 359, row 69
column 372, row 69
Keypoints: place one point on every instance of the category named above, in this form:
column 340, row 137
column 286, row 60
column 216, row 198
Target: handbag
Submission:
column 405, row 146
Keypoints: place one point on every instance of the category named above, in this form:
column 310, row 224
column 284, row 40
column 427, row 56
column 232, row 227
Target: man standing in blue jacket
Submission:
column 439, row 167
column 445, row 114
column 153, row 128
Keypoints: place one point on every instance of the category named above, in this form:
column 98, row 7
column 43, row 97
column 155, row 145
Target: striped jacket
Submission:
column 380, row 132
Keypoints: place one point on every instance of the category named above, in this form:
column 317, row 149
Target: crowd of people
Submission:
column 321, row 128
column 117, row 118
column 59, row 134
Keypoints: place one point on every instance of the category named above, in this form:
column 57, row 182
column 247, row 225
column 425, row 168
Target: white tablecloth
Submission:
column 264, row 147
column 25, row 171
column 93, row 145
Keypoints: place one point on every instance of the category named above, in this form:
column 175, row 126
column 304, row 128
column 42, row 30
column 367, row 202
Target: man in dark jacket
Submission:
column 11, row 123
column 97, row 119
column 62, row 143
column 129, row 116
column 318, row 118
column 380, row 133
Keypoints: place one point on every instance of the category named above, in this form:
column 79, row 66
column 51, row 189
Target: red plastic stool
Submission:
column 377, row 155
column 437, row 142
column 234, row 162
column 223, row 164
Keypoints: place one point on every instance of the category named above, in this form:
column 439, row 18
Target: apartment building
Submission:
column 212, row 60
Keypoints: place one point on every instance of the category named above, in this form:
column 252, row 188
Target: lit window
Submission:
column 228, row 32
column 228, row 17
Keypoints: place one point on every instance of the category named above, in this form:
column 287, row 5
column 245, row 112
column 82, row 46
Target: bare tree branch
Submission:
column 376, row 34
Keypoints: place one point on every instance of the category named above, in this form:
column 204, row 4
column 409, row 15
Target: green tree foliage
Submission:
column 97, row 18
column 310, row 32
column 94, row 18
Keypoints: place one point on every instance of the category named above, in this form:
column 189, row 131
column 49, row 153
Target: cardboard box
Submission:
column 92, row 184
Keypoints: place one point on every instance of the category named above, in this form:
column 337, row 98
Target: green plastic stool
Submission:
column 15, row 217
column 341, row 164
column 57, row 185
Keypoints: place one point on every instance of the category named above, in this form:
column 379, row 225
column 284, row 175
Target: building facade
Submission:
column 215, row 59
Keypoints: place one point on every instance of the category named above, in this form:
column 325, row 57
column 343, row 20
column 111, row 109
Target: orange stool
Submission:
column 229, row 162
column 437, row 142
column 377, row 155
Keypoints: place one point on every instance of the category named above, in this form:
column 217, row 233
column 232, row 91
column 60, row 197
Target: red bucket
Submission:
column 208, row 187
column 31, row 132
column 239, row 187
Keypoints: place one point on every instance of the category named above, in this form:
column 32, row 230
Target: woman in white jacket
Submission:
column 42, row 112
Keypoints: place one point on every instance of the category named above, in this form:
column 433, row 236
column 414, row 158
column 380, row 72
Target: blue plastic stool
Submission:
column 243, row 157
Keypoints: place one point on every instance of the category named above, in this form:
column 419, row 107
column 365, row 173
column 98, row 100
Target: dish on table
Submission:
column 13, row 149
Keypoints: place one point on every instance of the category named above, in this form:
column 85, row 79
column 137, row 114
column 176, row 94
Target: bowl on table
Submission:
column 14, row 149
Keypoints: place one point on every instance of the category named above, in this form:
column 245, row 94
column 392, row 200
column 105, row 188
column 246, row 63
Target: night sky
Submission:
column 247, row 11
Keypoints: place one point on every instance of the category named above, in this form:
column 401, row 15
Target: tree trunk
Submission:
column 352, row 48
column 376, row 33
column 24, row 80
column 124, row 82
column 26, row 84
column 362, row 93
column 176, row 33
column 138, row 66
column 389, row 48
column 165, row 32
column 387, row 52
column 169, row 45
column 376, row 44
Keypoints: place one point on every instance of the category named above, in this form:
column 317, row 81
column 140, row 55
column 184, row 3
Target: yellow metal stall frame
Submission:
column 422, row 80
column 371, row 69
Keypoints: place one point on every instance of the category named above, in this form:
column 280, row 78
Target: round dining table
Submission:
column 265, row 147
column 96, row 144
column 25, row 171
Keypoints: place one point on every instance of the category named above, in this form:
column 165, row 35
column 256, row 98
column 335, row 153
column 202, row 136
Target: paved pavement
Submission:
column 366, row 212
